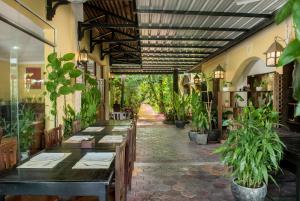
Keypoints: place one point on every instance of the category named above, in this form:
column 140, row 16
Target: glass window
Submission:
column 22, row 66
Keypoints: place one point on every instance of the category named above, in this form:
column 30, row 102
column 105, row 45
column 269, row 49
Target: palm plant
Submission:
column 199, row 115
column 254, row 149
column 181, row 106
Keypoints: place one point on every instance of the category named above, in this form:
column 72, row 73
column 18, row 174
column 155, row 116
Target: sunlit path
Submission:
column 146, row 112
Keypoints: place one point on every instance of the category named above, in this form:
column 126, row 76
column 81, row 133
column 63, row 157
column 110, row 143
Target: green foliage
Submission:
column 60, row 73
column 90, row 100
column 24, row 127
column 69, row 118
column 199, row 115
column 254, row 150
column 181, row 106
column 292, row 51
column 238, row 97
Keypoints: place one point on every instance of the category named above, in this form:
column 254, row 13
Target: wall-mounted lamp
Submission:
column 273, row 53
column 219, row 72
column 83, row 56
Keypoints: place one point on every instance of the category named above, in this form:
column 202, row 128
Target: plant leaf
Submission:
column 290, row 53
column 68, row 57
column 50, row 86
column 79, row 86
column 284, row 12
column 297, row 113
column 68, row 66
column 65, row 90
column 296, row 80
column 52, row 57
column 75, row 73
column 296, row 18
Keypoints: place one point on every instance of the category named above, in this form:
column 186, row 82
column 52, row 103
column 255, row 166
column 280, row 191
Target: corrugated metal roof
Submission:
column 168, row 14
column 169, row 32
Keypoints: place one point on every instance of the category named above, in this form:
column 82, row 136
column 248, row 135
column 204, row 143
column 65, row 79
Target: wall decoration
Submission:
column 33, row 78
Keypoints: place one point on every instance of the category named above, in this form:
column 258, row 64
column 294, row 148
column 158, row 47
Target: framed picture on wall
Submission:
column 33, row 78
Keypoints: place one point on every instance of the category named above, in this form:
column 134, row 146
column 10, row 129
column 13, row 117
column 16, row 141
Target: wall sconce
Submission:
column 219, row 72
column 273, row 53
column 83, row 56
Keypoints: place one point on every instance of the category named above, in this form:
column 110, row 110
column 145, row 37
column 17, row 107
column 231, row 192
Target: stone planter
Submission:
column 241, row 193
column 180, row 124
column 201, row 139
column 192, row 135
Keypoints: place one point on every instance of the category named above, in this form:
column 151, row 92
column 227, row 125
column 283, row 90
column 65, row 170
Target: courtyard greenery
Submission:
column 155, row 90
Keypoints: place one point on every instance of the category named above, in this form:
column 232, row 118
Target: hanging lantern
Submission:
column 219, row 72
column 273, row 54
column 83, row 57
column 196, row 79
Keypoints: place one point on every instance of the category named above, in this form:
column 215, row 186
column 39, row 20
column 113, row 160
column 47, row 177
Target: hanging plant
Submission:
column 292, row 52
column 61, row 72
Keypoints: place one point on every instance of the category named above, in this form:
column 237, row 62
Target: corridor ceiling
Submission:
column 155, row 36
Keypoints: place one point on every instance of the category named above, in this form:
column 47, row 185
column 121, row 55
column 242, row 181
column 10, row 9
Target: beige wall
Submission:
column 236, row 59
column 4, row 81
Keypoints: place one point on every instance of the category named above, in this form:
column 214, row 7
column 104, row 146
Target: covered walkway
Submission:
column 170, row 168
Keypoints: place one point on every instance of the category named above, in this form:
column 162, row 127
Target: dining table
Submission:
column 63, row 180
column 291, row 158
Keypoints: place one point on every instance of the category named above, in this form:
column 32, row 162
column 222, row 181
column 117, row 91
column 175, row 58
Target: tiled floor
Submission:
column 170, row 168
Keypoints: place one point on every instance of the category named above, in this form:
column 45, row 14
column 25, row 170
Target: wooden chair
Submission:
column 120, row 184
column 76, row 126
column 129, row 157
column 8, row 159
column 1, row 134
column 53, row 137
column 8, row 153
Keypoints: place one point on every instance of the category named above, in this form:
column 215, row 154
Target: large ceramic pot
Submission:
column 180, row 124
column 214, row 135
column 241, row 193
column 192, row 135
column 201, row 139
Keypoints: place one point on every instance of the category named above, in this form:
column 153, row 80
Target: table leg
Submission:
column 298, row 183
column 104, row 196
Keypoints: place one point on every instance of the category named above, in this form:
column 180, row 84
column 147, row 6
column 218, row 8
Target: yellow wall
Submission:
column 4, row 81
column 236, row 59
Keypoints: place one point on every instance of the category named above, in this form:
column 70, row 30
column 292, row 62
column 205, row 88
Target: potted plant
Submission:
column 252, row 152
column 170, row 116
column 226, row 85
column 181, row 106
column 199, row 120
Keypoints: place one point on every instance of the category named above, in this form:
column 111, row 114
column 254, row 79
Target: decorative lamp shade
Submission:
column 196, row 79
column 273, row 54
column 83, row 56
column 219, row 72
